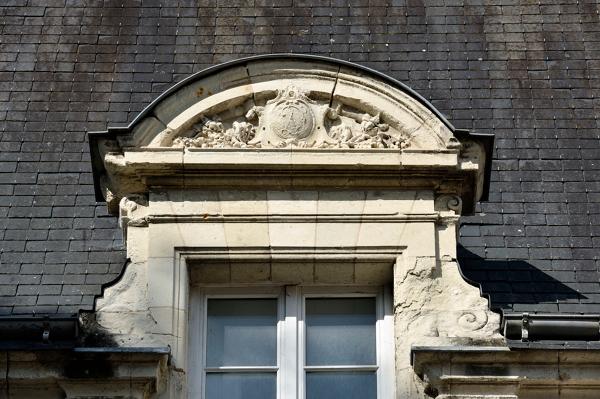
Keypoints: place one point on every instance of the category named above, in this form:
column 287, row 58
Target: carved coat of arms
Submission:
column 293, row 119
column 290, row 118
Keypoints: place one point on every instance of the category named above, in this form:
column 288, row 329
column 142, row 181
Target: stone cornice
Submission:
column 444, row 172
column 475, row 370
column 87, row 372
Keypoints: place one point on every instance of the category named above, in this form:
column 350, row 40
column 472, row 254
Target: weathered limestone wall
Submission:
column 413, row 231
column 434, row 306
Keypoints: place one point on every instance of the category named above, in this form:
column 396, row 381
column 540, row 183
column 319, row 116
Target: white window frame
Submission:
column 291, row 349
column 198, row 315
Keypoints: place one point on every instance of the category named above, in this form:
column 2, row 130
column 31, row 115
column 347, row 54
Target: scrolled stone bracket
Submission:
column 470, row 152
column 133, row 211
column 449, row 208
column 448, row 203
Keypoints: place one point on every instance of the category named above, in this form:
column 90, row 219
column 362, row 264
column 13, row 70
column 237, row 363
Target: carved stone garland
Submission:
column 293, row 119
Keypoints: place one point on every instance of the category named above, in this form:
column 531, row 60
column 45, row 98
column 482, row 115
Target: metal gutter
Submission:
column 56, row 333
column 551, row 326
column 541, row 328
column 42, row 331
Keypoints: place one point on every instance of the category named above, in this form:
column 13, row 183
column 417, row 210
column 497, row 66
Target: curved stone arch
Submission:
column 286, row 101
column 256, row 79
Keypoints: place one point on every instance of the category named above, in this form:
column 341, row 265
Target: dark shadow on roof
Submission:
column 515, row 285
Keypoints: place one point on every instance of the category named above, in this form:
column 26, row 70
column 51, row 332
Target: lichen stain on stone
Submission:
column 474, row 369
column 92, row 334
column 84, row 366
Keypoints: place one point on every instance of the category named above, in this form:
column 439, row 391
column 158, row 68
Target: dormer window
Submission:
column 271, row 206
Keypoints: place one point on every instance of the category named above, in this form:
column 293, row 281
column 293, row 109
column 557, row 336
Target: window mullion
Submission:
column 289, row 344
column 196, row 336
column 385, row 344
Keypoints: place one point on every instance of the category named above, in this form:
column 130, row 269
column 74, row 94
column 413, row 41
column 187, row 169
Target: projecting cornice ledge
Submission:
column 84, row 372
column 290, row 121
column 494, row 372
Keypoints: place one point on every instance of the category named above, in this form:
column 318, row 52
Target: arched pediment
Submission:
column 289, row 112
column 326, row 104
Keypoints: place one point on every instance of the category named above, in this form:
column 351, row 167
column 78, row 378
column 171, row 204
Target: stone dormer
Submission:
column 292, row 176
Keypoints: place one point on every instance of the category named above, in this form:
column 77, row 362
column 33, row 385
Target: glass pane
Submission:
column 340, row 331
column 241, row 332
column 341, row 385
column 241, row 385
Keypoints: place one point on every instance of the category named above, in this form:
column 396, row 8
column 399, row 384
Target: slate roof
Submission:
column 528, row 72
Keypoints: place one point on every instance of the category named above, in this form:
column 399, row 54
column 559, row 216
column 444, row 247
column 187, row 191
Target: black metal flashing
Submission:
column 160, row 350
column 111, row 132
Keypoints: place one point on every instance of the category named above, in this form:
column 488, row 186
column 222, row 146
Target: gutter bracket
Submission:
column 525, row 327
column 46, row 332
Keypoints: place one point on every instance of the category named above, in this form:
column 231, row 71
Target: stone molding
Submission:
column 132, row 212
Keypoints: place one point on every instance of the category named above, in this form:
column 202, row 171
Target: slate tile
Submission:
column 8, row 290
column 495, row 94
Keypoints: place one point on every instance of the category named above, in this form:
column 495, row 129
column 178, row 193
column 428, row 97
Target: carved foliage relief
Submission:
column 292, row 118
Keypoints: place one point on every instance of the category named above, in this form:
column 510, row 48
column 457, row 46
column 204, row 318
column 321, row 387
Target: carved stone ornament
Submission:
column 289, row 115
column 294, row 119
column 449, row 203
column 132, row 211
column 301, row 122
column 473, row 320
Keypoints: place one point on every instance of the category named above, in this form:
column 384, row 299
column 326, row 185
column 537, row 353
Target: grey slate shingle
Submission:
column 528, row 73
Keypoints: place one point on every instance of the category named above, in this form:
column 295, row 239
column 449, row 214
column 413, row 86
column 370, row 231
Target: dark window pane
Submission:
column 241, row 332
column 340, row 331
column 241, row 385
column 341, row 385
